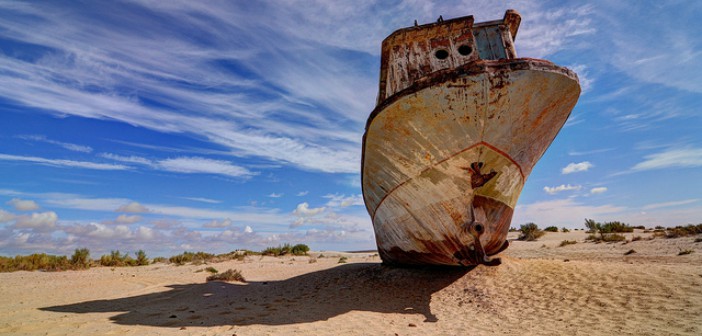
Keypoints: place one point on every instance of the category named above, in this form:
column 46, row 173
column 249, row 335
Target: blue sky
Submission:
column 188, row 125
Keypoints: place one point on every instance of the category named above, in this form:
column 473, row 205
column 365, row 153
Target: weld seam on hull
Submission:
column 391, row 191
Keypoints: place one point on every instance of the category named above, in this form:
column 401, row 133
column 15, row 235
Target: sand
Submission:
column 540, row 289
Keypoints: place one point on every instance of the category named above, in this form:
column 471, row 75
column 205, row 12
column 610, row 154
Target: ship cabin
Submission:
column 409, row 54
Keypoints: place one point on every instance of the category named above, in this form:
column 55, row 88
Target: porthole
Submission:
column 441, row 54
column 465, row 50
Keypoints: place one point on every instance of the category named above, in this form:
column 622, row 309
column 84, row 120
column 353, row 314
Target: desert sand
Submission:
column 540, row 289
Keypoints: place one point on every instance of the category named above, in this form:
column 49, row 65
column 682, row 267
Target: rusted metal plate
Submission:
column 445, row 156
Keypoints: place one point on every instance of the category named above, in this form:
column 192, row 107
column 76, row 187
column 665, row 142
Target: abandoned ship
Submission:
column 459, row 124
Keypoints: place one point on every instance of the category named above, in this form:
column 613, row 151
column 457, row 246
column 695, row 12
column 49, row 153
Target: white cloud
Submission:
column 100, row 231
column 23, row 205
column 203, row 166
column 125, row 219
column 63, row 163
column 248, row 229
column 304, row 210
column 304, row 214
column 44, row 221
column 133, row 207
column 672, row 158
column 670, row 204
column 127, row 159
column 336, row 200
column 576, row 167
column 274, row 195
column 219, row 224
column 6, row 216
column 562, row 187
column 303, row 193
column 598, row 190
column 66, row 145
column 586, row 81
column 202, row 199
column 144, row 233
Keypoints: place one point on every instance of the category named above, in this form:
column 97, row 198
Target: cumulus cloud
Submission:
column 219, row 224
column 23, row 205
column 6, row 216
column 126, row 219
column 598, row 190
column 44, row 221
column 577, row 167
column 304, row 210
column 562, row 187
column 304, row 213
column 101, row 231
column 133, row 207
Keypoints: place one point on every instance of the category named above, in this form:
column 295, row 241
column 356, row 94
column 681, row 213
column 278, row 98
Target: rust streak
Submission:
column 389, row 192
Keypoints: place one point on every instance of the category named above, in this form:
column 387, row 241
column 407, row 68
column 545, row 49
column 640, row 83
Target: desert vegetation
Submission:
column 530, row 232
column 551, row 229
column 567, row 242
column 46, row 262
column 280, row 250
column 608, row 231
column 228, row 275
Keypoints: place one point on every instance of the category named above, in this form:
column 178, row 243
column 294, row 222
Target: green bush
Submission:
column 608, row 231
column 551, row 229
column 36, row 261
column 195, row 258
column 564, row 230
column 300, row 249
column 81, row 258
column 343, row 260
column 141, row 259
column 530, row 232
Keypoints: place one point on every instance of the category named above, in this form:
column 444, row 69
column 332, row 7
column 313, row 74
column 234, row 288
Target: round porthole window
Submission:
column 465, row 50
column 441, row 54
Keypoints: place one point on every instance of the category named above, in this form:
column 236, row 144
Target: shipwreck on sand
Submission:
column 459, row 124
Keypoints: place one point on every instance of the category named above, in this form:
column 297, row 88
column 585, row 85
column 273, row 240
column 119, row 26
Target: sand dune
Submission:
column 540, row 289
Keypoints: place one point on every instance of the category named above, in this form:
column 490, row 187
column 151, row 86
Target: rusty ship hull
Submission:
column 446, row 154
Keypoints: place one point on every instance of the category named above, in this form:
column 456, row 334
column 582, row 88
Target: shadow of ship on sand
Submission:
column 316, row 296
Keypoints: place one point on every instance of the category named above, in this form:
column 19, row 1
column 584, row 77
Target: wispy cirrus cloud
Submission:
column 63, row 163
column 23, row 205
column 670, row 204
column 66, row 145
column 689, row 157
column 294, row 96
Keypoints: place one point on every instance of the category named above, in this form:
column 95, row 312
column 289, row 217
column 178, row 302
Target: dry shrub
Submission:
column 228, row 275
column 567, row 242
column 530, row 232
